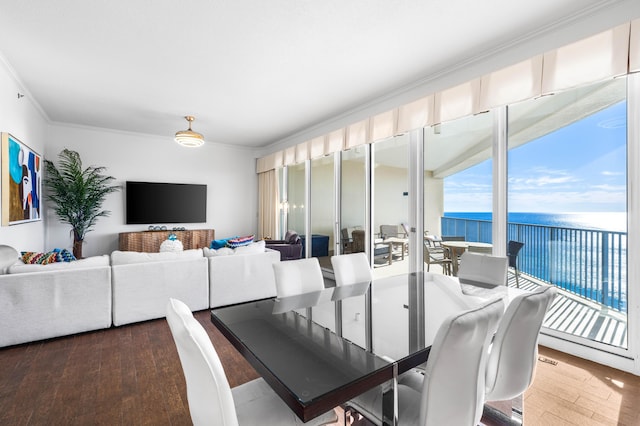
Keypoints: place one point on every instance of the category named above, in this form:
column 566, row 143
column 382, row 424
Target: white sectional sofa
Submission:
column 144, row 282
column 241, row 275
column 44, row 301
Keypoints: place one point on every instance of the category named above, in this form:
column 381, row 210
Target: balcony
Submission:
column 587, row 266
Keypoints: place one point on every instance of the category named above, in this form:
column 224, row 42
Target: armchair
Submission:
column 290, row 247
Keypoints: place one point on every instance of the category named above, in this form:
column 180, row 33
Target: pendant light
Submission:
column 188, row 137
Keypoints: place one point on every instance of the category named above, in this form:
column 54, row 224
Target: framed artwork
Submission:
column 21, row 182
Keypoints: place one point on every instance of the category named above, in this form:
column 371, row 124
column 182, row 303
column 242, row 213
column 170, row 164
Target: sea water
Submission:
column 604, row 221
column 569, row 251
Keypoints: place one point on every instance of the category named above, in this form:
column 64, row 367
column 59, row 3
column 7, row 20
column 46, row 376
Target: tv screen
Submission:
column 152, row 202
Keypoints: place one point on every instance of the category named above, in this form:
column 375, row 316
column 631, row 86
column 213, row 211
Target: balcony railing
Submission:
column 589, row 263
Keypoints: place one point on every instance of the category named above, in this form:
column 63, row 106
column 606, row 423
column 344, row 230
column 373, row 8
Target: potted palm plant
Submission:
column 77, row 194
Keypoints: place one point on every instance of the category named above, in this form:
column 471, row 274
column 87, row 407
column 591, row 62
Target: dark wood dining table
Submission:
column 319, row 350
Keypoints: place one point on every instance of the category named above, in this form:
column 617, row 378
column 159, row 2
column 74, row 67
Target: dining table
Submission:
column 456, row 248
column 320, row 349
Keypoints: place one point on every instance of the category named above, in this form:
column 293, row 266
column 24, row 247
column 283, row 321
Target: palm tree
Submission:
column 77, row 194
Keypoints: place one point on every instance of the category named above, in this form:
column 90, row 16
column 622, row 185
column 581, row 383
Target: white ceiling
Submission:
column 252, row 72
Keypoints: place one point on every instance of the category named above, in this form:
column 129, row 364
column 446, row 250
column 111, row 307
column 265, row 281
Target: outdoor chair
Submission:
column 513, row 248
column 389, row 231
column 453, row 238
column 437, row 256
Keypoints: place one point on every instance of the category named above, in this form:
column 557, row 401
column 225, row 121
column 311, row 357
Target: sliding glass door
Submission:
column 567, row 204
column 390, row 183
column 458, row 191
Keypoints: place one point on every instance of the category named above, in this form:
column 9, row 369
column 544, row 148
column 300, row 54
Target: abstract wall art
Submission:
column 21, row 182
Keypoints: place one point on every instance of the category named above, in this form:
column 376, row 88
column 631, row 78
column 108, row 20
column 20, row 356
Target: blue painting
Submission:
column 21, row 182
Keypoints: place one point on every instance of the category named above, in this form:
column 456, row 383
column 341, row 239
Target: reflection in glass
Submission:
column 322, row 209
column 296, row 196
column 390, row 208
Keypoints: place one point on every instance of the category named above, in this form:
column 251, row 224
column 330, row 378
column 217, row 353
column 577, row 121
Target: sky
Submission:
column 578, row 168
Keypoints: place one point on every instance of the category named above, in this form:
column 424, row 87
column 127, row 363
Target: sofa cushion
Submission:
column 255, row 247
column 89, row 262
column 129, row 257
column 224, row 251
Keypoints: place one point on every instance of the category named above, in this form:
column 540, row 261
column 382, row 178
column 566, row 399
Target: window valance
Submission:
column 609, row 54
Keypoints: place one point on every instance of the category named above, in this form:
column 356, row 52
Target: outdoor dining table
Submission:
column 315, row 368
column 456, row 248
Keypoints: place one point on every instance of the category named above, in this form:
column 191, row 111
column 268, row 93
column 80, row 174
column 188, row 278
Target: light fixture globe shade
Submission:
column 188, row 137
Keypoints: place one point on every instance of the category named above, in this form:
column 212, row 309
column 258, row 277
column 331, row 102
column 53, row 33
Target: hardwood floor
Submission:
column 131, row 375
column 580, row 392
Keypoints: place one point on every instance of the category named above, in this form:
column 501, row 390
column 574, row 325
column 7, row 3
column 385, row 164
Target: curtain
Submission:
column 415, row 115
column 601, row 56
column 634, row 47
column 383, row 125
column 459, row 101
column 268, row 205
column 357, row 134
column 512, row 84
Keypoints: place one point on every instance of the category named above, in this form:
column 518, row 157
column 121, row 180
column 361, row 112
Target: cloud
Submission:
column 610, row 173
column 543, row 177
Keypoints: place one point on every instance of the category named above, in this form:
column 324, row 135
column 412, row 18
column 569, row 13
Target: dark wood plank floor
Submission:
column 131, row 375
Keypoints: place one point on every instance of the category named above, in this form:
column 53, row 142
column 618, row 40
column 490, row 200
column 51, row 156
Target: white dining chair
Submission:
column 482, row 270
column 514, row 352
column 211, row 399
column 351, row 268
column 298, row 276
column 451, row 390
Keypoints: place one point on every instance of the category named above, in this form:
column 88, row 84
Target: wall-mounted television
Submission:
column 154, row 202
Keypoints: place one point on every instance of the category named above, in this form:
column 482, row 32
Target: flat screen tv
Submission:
column 153, row 202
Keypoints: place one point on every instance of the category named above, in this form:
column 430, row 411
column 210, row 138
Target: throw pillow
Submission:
column 217, row 244
column 64, row 255
column 56, row 255
column 240, row 241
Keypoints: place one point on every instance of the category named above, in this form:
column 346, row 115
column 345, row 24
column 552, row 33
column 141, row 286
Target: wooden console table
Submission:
column 149, row 241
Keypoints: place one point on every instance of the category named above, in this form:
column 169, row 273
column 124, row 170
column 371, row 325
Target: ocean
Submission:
column 584, row 253
column 603, row 221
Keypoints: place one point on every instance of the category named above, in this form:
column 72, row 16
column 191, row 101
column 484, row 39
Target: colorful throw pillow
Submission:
column 217, row 244
column 240, row 241
column 64, row 255
column 56, row 255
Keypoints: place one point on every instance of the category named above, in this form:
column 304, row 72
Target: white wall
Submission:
column 24, row 121
column 228, row 172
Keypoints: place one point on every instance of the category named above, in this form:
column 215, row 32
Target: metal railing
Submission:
column 587, row 262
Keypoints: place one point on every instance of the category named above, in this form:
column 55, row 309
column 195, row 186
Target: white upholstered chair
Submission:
column 298, row 276
column 451, row 391
column 351, row 268
column 514, row 352
column 211, row 400
column 483, row 270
